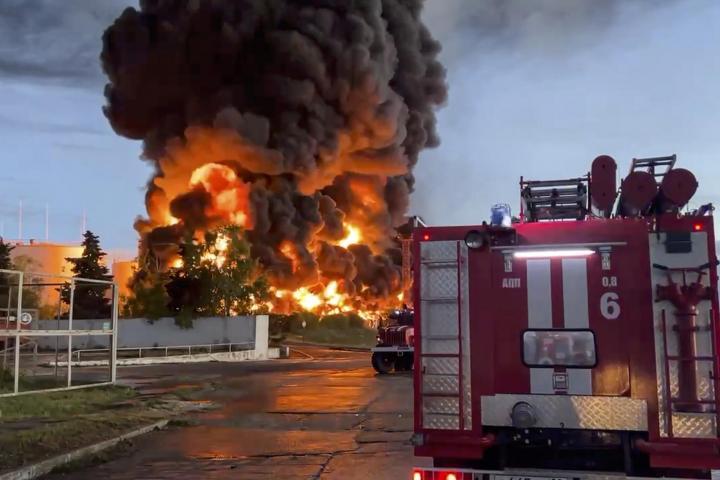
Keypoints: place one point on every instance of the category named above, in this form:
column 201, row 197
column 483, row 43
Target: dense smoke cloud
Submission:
column 312, row 114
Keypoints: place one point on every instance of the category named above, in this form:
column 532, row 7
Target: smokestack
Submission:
column 300, row 121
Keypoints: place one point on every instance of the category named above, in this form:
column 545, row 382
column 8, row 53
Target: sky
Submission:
column 537, row 88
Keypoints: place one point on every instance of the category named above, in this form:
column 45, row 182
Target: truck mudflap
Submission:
column 526, row 474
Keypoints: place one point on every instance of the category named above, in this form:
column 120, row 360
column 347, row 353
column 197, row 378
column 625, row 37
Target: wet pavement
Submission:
column 322, row 415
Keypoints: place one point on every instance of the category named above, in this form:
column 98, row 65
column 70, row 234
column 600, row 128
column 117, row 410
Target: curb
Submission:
column 46, row 466
column 241, row 356
column 329, row 347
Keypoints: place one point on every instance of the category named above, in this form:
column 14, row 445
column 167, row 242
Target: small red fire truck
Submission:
column 578, row 341
column 395, row 343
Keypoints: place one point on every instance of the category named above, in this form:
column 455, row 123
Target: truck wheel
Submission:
column 383, row 362
column 404, row 363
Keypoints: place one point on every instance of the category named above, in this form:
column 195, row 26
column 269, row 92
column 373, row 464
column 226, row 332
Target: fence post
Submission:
column 17, row 333
column 70, row 327
column 7, row 327
column 262, row 325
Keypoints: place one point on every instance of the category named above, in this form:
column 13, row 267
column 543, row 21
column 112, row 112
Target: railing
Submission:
column 33, row 346
column 182, row 349
column 17, row 284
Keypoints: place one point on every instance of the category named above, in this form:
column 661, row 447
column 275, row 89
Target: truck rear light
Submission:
column 697, row 227
column 544, row 253
column 437, row 474
column 426, row 237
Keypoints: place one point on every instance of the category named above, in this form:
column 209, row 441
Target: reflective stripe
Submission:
column 539, row 316
column 576, row 315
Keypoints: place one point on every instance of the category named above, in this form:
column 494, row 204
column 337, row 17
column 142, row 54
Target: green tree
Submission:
column 184, row 287
column 5, row 259
column 148, row 297
column 90, row 300
column 5, row 264
column 217, row 277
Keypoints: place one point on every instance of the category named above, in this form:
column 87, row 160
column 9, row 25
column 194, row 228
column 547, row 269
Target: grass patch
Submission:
column 7, row 382
column 40, row 426
column 59, row 405
column 21, row 447
column 343, row 330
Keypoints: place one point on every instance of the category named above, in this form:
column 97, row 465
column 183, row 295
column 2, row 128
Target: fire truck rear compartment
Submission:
column 565, row 449
column 570, row 358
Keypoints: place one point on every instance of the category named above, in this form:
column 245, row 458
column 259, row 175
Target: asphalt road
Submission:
column 322, row 415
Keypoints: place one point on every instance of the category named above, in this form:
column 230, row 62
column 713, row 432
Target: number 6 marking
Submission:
column 609, row 307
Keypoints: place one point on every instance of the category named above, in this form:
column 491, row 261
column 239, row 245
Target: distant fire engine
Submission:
column 395, row 343
column 576, row 341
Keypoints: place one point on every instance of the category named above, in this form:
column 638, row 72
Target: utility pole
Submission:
column 20, row 221
column 47, row 223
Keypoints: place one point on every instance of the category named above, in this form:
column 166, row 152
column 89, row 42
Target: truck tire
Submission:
column 404, row 363
column 383, row 362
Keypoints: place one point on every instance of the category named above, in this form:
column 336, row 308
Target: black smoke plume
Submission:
column 317, row 108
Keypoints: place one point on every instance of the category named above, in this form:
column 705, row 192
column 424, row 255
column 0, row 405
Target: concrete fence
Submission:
column 139, row 332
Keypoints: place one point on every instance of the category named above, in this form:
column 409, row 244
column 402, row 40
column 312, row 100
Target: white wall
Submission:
column 139, row 332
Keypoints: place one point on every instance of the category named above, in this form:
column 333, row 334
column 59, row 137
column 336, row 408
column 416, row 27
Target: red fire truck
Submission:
column 578, row 341
column 395, row 343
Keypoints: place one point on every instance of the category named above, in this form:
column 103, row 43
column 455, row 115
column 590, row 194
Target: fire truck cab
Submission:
column 579, row 341
column 395, row 342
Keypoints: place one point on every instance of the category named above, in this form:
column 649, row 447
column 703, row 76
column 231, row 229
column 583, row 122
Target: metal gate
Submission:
column 445, row 336
column 15, row 331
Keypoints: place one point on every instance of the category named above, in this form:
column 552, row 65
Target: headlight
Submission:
column 475, row 239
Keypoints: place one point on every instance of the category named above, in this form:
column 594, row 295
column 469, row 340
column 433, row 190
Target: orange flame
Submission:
column 229, row 202
column 218, row 253
column 353, row 236
column 230, row 196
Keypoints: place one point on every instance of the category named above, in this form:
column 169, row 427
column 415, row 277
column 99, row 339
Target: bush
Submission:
column 295, row 322
column 336, row 322
column 343, row 321
column 283, row 324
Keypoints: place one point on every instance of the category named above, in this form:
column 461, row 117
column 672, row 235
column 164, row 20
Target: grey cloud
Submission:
column 55, row 41
column 550, row 26
column 45, row 126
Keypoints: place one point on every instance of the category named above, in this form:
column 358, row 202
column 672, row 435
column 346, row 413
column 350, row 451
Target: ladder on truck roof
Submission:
column 652, row 164
column 554, row 199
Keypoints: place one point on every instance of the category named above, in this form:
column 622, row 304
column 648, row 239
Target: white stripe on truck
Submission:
column 539, row 316
column 576, row 315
